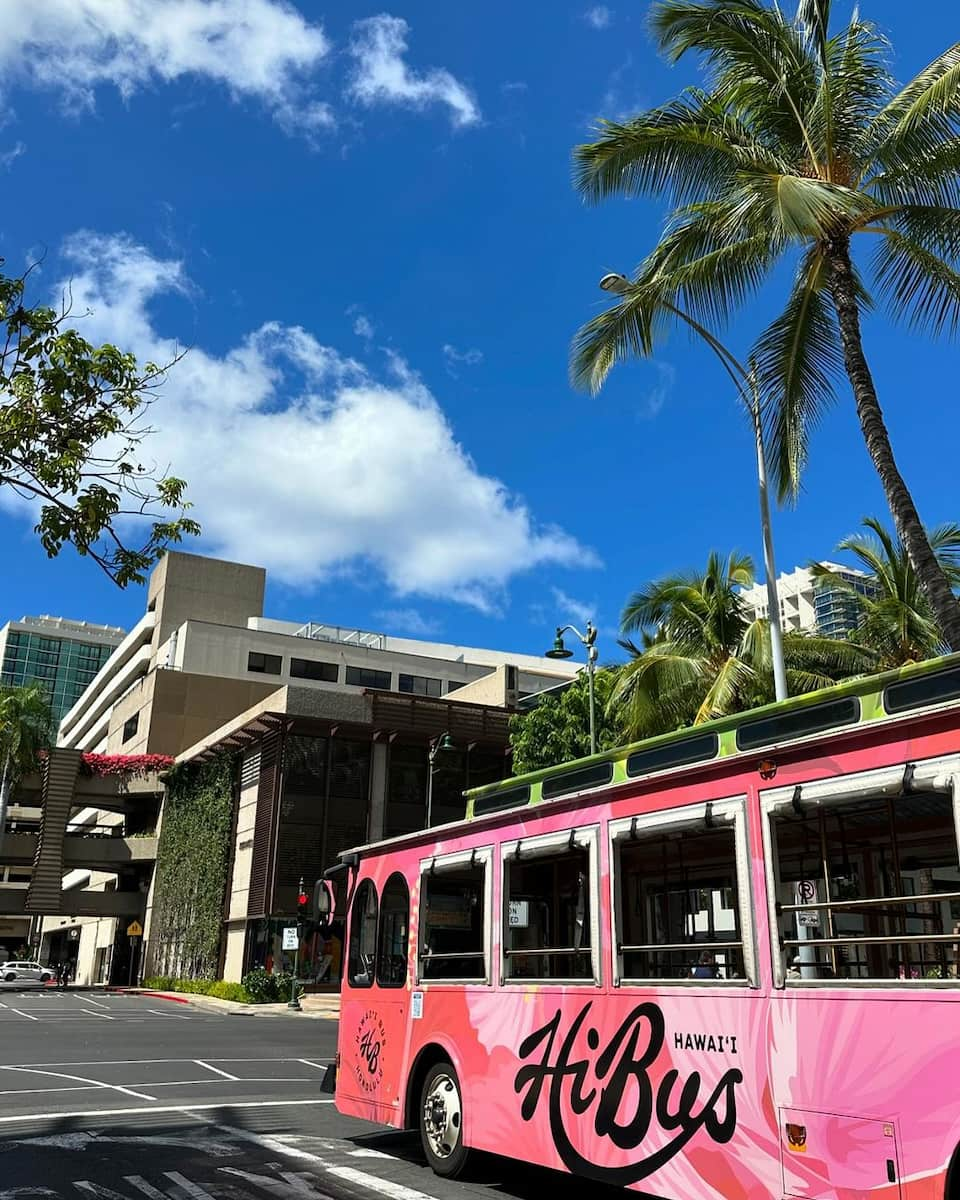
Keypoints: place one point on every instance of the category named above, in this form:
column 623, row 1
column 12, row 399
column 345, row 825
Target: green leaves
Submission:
column 26, row 727
column 796, row 359
column 71, row 427
column 897, row 623
column 558, row 729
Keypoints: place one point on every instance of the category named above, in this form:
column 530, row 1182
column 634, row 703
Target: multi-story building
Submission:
column 204, row 669
column 63, row 656
column 810, row 604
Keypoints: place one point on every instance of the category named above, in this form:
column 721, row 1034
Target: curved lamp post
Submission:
column 440, row 748
column 745, row 384
column 559, row 650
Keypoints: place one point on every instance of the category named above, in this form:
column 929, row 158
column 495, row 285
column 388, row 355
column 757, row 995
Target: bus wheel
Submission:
column 441, row 1121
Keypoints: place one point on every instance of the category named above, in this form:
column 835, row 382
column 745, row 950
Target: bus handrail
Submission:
column 433, row 954
column 550, row 950
column 701, row 946
column 926, row 898
column 857, row 939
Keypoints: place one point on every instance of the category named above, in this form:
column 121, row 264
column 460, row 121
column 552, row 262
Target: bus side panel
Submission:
column 374, row 1027
column 885, row 1069
column 666, row 1094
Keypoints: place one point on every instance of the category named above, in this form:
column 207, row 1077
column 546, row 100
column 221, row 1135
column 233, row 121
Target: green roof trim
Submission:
column 868, row 689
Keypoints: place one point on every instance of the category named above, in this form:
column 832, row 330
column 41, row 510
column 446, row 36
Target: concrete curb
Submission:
column 232, row 1008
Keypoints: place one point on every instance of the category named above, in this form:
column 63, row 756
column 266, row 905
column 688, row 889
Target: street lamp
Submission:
column 441, row 748
column 745, row 384
column 559, row 650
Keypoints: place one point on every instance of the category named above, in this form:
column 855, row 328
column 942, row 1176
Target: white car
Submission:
column 25, row 972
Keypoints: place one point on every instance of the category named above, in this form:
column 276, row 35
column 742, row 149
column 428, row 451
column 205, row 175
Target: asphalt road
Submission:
column 111, row 1097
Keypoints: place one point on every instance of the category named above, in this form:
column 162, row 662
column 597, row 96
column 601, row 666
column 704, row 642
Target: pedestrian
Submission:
column 705, row 968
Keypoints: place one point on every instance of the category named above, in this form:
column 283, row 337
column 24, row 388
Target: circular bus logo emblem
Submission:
column 371, row 1042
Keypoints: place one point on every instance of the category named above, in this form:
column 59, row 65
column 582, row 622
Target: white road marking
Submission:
column 186, row 1109
column 395, row 1191
column 83, row 1087
column 147, row 1188
column 104, row 1016
column 364, row 1152
column 113, row 1087
column 90, row 1000
column 170, row 1016
column 216, row 1070
column 192, row 1189
column 307, row 1063
column 24, row 1014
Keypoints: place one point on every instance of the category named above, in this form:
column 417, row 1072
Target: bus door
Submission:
column 374, row 998
column 831, row 1157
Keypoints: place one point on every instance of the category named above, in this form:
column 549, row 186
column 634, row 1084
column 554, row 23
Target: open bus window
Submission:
column 867, row 883
column 453, row 905
column 548, row 906
column 678, row 897
column 363, row 936
column 394, row 923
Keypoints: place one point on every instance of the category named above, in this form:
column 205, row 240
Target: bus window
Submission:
column 454, row 901
column 394, row 923
column 679, row 896
column 363, row 936
column 548, row 908
column 867, row 879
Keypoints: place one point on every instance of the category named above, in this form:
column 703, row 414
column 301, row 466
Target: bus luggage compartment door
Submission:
column 826, row 1156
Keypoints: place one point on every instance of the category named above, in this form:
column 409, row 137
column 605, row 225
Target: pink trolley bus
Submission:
column 718, row 964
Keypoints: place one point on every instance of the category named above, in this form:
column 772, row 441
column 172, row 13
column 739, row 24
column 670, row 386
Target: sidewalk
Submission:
column 316, row 1007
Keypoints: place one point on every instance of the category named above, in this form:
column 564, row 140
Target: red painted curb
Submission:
column 152, row 995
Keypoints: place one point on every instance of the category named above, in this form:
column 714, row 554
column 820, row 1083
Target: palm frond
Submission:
column 625, row 331
column 802, row 208
column 854, row 85
column 813, row 17
column 757, row 62
column 688, row 149
column 920, row 116
column 916, row 284
column 722, row 698
column 796, row 359
column 926, row 174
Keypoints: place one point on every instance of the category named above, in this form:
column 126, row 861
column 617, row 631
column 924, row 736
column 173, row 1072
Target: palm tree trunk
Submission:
column 6, row 786
column 902, row 509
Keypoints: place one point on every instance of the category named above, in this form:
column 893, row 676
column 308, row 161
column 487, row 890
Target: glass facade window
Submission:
column 420, row 685
column 64, row 667
column 307, row 668
column 367, row 678
column 264, row 664
column 130, row 726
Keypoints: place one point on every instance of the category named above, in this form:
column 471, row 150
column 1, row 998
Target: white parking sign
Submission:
column 290, row 939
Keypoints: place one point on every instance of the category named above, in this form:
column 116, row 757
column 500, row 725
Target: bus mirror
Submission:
column 322, row 903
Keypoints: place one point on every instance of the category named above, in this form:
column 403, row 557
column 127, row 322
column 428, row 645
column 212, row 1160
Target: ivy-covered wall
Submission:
column 192, row 861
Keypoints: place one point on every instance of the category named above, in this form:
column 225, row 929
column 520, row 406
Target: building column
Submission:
column 378, row 792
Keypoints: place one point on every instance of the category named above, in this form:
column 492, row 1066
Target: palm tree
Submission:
column 26, row 724
column 895, row 617
column 799, row 141
column 702, row 656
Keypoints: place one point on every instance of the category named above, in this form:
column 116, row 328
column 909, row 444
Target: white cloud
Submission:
column 598, row 17
column 9, row 157
column 660, row 393
column 258, row 49
column 470, row 357
column 409, row 621
column 298, row 459
column 362, row 325
column 575, row 611
column 382, row 77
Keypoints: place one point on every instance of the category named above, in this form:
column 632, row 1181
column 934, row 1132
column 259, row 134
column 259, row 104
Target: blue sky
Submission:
column 360, row 221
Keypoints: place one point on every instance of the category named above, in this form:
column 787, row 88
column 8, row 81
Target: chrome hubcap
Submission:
column 441, row 1116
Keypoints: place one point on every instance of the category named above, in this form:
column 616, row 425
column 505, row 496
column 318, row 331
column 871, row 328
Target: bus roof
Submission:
column 866, row 701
